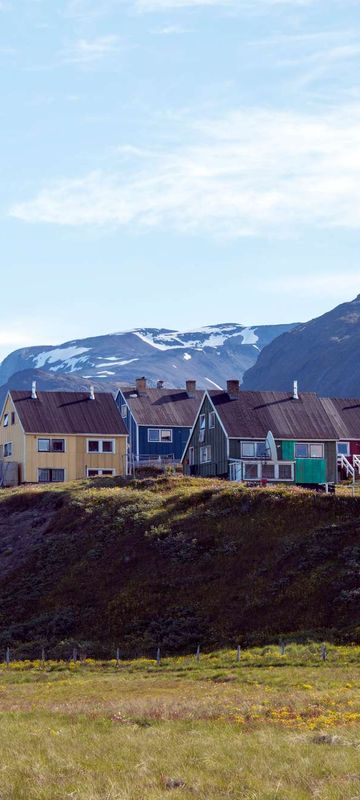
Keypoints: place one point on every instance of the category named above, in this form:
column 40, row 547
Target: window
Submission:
column 51, row 445
column 6, row 420
column 191, row 456
column 202, row 427
column 162, row 435
column 95, row 473
column 7, row 449
column 101, row 446
column 316, row 451
column 13, row 417
column 205, row 455
column 124, row 410
column 268, row 472
column 251, row 472
column 212, row 419
column 253, row 450
column 51, row 475
column 285, row 472
column 303, row 450
column 343, row 448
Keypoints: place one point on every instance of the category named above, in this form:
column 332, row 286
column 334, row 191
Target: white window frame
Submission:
column 347, row 444
column 206, row 460
column 124, row 410
column 202, row 421
column 6, row 420
column 160, row 432
column 254, row 443
column 10, row 445
column 100, row 472
column 309, row 445
column 276, row 466
column 101, row 451
column 212, row 418
column 255, row 464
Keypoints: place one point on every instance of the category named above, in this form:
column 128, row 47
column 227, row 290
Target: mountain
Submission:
column 211, row 355
column 321, row 354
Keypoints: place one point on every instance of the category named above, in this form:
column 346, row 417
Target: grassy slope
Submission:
column 174, row 562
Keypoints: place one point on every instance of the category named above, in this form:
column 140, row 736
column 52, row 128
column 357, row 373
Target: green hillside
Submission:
column 174, row 562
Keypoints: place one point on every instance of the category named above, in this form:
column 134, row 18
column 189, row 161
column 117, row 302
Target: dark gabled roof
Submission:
column 253, row 414
column 69, row 412
column 168, row 407
column 345, row 415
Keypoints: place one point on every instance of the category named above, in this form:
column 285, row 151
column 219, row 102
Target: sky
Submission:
column 176, row 163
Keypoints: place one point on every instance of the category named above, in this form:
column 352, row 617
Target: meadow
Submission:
column 272, row 726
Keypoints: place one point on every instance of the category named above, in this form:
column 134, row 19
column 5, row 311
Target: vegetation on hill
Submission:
column 174, row 562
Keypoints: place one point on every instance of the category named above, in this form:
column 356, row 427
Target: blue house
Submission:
column 158, row 420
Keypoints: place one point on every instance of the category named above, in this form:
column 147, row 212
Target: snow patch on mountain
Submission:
column 68, row 356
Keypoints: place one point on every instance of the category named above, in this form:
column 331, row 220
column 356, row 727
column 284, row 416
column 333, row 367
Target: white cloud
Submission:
column 87, row 51
column 253, row 172
column 161, row 5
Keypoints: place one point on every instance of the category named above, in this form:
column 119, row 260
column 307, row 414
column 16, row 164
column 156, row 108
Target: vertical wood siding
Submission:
column 214, row 437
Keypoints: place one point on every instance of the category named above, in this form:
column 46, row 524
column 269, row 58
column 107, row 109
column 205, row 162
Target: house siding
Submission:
column 310, row 470
column 174, row 448
column 215, row 437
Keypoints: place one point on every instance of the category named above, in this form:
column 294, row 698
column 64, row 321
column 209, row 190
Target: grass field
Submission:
column 270, row 727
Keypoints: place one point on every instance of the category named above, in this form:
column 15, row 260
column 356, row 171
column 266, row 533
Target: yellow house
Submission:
column 61, row 436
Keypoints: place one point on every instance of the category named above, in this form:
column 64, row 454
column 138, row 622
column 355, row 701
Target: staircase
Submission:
column 351, row 469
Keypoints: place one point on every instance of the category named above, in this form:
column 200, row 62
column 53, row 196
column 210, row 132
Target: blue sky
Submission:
column 176, row 163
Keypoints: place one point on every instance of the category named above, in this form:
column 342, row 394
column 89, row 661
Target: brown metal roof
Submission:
column 345, row 416
column 69, row 412
column 253, row 414
column 171, row 407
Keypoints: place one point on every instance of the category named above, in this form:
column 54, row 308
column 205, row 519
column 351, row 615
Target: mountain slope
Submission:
column 209, row 354
column 321, row 355
column 174, row 562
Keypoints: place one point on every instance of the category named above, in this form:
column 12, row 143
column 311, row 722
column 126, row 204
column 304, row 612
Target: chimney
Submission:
column 140, row 386
column 233, row 389
column 160, row 385
column 296, row 391
column 33, row 391
column 92, row 393
column 191, row 388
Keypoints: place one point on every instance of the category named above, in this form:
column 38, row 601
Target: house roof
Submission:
column 167, row 407
column 68, row 412
column 345, row 415
column 253, row 414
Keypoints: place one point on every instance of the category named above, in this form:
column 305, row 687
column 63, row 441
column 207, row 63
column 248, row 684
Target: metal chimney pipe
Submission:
column 296, row 391
column 33, row 391
column 92, row 393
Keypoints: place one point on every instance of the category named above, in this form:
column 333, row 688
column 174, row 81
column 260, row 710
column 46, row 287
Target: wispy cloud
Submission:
column 161, row 5
column 253, row 172
column 88, row 51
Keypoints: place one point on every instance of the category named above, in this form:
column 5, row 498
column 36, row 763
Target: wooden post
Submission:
column 7, row 657
column 43, row 657
column 158, row 657
column 197, row 656
column 323, row 652
column 238, row 653
column 74, row 655
column 282, row 647
column 117, row 656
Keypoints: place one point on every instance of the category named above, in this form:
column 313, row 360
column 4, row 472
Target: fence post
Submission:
column 323, row 652
column 7, row 657
column 238, row 653
column 43, row 657
column 117, row 656
column 74, row 658
column 282, row 647
column 198, row 653
column 158, row 657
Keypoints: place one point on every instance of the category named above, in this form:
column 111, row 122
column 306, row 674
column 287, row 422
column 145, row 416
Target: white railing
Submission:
column 345, row 464
column 356, row 462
